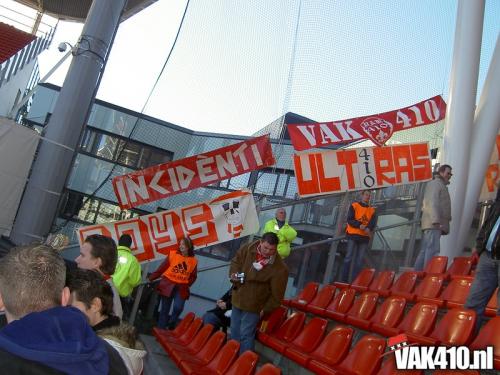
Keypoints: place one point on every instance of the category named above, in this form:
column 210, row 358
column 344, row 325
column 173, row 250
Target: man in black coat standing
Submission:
column 487, row 277
column 220, row 316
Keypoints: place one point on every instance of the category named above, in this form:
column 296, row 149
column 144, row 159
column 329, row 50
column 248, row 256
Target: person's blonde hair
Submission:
column 31, row 279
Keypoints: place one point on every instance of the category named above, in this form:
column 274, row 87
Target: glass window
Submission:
column 105, row 146
column 128, row 153
column 281, row 185
column 89, row 210
column 291, row 189
column 266, row 183
column 108, row 212
column 239, row 182
column 159, row 157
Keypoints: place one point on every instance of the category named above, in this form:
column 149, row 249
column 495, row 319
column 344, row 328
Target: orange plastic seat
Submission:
column 340, row 304
column 419, row 320
column 268, row 369
column 185, row 338
column 306, row 341
column 404, row 284
column 492, row 306
column 428, row 288
column 217, row 366
column 456, row 328
column 361, row 282
column 461, row 266
column 271, row 322
column 364, row 359
column 305, row 296
column 322, row 299
column 436, row 265
column 387, row 315
column 382, row 281
column 205, row 355
column 179, row 330
column 454, row 295
column 287, row 331
column 195, row 345
column 331, row 351
column 389, row 368
column 363, row 308
column 245, row 364
column 489, row 335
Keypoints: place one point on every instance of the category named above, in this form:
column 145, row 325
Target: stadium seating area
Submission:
column 428, row 307
column 12, row 40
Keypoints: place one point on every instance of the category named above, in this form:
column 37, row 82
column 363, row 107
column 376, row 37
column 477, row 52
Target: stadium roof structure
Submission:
column 76, row 10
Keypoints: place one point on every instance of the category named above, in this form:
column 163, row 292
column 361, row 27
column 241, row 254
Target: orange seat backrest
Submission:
column 460, row 266
column 489, row 335
column 335, row 345
column 364, row 277
column 457, row 290
column 365, row 358
column 291, row 327
column 430, row 286
column 308, row 293
column 342, row 301
column 383, row 281
column 324, row 296
column 214, row 343
column 364, row 306
column 312, row 334
column 405, row 283
column 456, row 327
column 244, row 365
column 390, row 312
column 437, row 264
column 224, row 357
column 420, row 319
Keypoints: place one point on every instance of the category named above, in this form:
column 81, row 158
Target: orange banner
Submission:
column 222, row 219
column 164, row 180
column 328, row 172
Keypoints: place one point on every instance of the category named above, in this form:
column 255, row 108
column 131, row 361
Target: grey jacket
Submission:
column 436, row 206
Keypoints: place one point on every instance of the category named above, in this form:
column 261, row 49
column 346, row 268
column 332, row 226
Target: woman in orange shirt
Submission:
column 178, row 272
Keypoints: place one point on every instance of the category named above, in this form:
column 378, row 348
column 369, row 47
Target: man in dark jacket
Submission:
column 43, row 336
column 487, row 277
column 219, row 316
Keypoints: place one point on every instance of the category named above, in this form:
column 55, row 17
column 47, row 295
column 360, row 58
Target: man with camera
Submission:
column 259, row 280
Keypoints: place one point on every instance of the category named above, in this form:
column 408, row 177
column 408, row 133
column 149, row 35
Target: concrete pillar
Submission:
column 486, row 127
column 460, row 111
column 55, row 156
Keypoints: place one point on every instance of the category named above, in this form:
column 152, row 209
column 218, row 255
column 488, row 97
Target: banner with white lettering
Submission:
column 328, row 172
column 163, row 180
column 378, row 128
column 489, row 190
column 225, row 218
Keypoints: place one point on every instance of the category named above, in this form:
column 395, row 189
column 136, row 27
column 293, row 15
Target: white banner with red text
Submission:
column 222, row 219
column 328, row 172
column 378, row 128
column 164, row 180
column 489, row 190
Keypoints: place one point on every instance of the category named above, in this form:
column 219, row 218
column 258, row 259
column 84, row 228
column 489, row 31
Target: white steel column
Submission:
column 486, row 127
column 460, row 111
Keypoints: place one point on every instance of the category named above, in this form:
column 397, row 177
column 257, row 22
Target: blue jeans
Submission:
column 355, row 253
column 166, row 302
column 243, row 327
column 429, row 248
column 486, row 280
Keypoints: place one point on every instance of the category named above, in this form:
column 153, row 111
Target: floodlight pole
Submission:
column 56, row 152
column 460, row 112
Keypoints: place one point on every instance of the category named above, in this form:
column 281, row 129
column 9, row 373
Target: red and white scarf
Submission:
column 261, row 260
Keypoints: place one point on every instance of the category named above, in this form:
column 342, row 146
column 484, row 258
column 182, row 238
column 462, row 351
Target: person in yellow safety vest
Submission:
column 127, row 272
column 178, row 272
column 361, row 221
column 283, row 230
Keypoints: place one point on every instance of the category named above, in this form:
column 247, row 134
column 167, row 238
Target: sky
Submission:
column 239, row 65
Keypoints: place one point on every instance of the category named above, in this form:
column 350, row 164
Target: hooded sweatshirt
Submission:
column 59, row 338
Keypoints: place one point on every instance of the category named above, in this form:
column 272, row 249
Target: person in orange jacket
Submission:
column 178, row 272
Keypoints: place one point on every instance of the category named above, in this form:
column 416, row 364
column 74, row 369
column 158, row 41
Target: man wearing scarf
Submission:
column 259, row 280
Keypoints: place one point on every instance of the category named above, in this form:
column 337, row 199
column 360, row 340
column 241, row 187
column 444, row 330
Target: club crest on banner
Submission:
column 233, row 217
column 377, row 129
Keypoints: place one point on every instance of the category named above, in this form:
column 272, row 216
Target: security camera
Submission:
column 62, row 47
